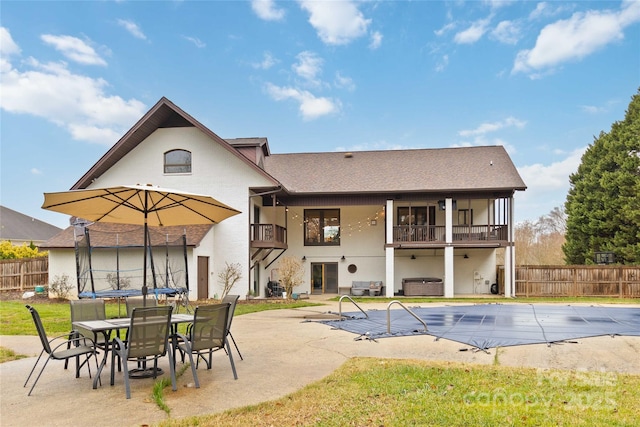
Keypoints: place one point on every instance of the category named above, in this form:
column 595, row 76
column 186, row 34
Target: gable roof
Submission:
column 15, row 226
column 465, row 169
column 164, row 114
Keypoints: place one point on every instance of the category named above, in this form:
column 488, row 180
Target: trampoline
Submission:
column 487, row 326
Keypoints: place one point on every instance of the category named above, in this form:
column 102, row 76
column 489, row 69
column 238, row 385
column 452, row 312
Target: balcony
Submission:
column 434, row 235
column 268, row 236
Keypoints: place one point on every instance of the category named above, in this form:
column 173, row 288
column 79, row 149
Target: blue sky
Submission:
column 541, row 78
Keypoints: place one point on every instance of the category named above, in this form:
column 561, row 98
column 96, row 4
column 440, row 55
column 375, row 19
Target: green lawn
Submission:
column 15, row 319
column 383, row 392
column 388, row 392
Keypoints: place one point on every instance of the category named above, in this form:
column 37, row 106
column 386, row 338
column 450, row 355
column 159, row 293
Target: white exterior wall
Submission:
column 214, row 171
column 61, row 262
column 361, row 243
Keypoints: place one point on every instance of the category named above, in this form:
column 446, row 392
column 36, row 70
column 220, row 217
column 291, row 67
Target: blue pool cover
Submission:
column 487, row 326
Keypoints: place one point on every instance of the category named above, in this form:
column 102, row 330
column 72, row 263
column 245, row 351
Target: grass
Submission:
column 15, row 319
column 7, row 355
column 377, row 392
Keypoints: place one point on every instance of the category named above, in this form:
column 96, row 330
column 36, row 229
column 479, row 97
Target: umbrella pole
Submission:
column 146, row 243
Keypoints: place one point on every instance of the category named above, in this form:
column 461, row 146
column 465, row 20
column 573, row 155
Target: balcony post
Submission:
column 448, row 250
column 389, row 251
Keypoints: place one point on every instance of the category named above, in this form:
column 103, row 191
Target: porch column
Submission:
column 448, row 249
column 389, row 253
column 509, row 254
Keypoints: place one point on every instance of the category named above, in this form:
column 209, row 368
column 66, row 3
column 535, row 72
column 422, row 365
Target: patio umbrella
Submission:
column 139, row 204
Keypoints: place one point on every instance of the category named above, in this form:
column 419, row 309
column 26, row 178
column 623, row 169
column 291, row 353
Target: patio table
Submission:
column 107, row 326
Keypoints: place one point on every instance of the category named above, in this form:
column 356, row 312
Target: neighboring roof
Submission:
column 423, row 170
column 164, row 114
column 103, row 234
column 20, row 227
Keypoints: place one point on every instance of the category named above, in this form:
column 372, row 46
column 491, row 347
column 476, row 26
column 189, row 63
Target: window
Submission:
column 465, row 217
column 418, row 216
column 322, row 227
column 177, row 161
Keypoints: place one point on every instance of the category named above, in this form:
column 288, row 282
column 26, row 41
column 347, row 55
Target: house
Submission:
column 362, row 216
column 21, row 229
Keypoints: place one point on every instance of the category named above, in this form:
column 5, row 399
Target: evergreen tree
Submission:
column 603, row 206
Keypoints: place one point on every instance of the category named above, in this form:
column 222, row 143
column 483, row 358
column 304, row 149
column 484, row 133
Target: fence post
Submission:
column 21, row 264
column 620, row 294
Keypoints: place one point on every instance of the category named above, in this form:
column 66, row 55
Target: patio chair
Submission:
column 132, row 303
column 208, row 333
column 232, row 300
column 147, row 341
column 64, row 350
column 87, row 309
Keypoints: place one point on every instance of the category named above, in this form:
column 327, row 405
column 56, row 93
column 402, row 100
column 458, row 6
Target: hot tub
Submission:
column 422, row 286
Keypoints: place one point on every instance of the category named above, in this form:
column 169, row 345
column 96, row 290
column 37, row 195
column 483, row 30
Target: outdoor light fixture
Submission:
column 304, row 258
column 466, row 256
column 442, row 204
column 413, row 257
column 343, row 258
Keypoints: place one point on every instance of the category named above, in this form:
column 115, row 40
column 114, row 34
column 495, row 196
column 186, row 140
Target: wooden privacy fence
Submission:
column 575, row 280
column 24, row 274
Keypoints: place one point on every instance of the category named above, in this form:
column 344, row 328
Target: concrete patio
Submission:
column 283, row 351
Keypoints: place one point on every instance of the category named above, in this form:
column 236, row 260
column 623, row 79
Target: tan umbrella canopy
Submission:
column 139, row 204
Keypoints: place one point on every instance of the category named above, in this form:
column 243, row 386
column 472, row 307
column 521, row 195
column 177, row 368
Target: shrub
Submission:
column 291, row 274
column 229, row 276
column 61, row 286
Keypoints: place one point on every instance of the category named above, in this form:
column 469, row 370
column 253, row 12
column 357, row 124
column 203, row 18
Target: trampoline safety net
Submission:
column 109, row 260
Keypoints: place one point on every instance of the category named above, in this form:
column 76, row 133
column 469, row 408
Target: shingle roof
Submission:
column 486, row 168
column 17, row 226
column 104, row 234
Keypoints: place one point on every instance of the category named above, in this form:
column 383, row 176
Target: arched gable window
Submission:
column 177, row 161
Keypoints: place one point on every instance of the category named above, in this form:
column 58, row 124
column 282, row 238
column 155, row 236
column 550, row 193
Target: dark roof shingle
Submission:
column 486, row 168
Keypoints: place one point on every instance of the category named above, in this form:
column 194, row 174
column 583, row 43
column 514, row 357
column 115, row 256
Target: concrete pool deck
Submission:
column 283, row 350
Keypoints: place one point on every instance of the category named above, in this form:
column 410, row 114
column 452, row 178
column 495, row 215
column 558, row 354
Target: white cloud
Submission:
column 267, row 62
column 448, row 27
column 497, row 4
column 547, row 185
column 473, row 33
column 74, row 49
column 507, row 32
column 592, row 109
column 376, row 40
column 308, row 67
column 442, row 63
column 545, row 9
column 196, row 41
column 540, row 10
column 576, row 37
column 267, row 10
column 74, row 102
column 35, row 171
column 132, row 28
column 337, row 22
column 310, row 106
column 7, row 45
column 485, row 128
column 344, row 82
